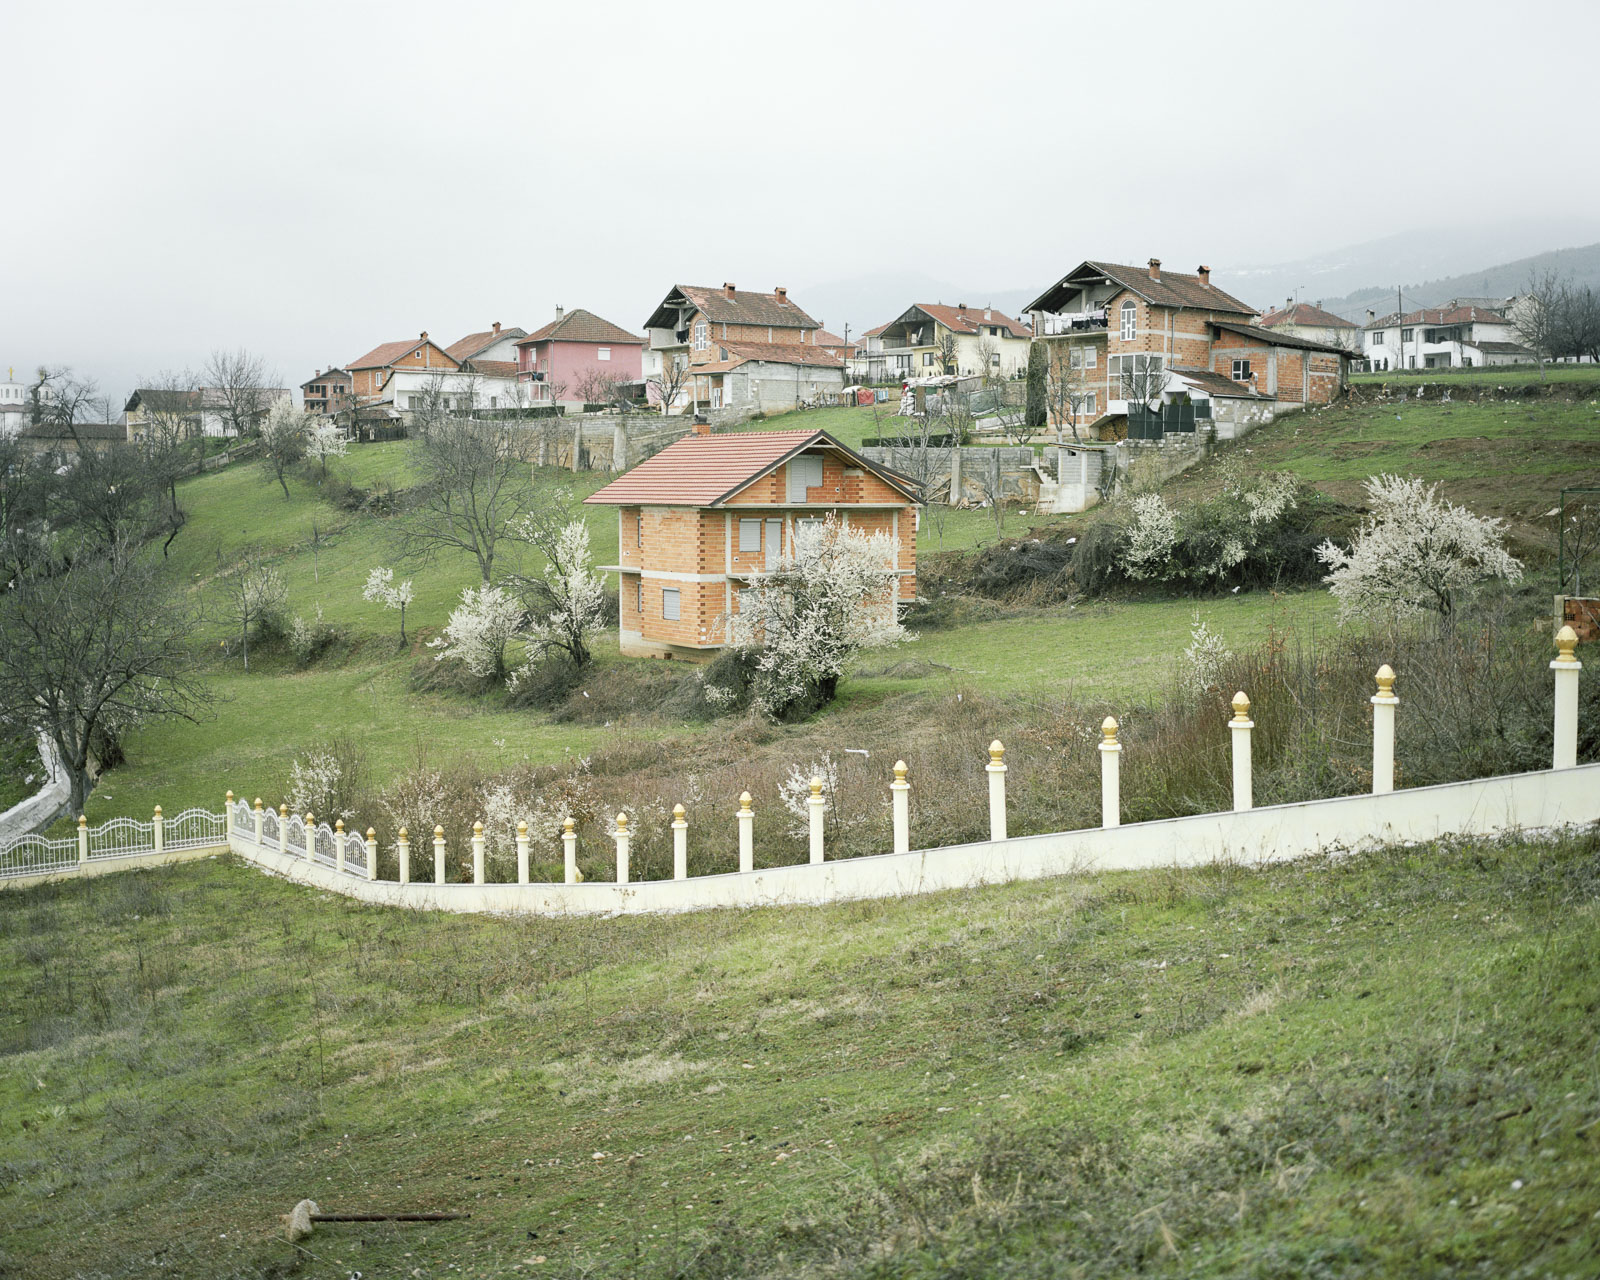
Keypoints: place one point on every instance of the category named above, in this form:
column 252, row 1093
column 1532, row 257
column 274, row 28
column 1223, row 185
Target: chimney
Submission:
column 1371, row 315
column 1205, row 275
column 1155, row 268
column 560, row 312
column 961, row 306
column 1288, row 302
column 782, row 294
column 727, row 290
column 987, row 314
column 424, row 335
column 497, row 326
column 1319, row 304
column 700, row 428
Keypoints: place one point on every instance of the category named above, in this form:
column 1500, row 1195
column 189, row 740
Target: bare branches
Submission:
column 236, row 390
column 474, row 483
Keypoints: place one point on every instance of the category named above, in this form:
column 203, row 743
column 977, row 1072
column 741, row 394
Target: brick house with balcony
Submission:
column 929, row 339
column 1143, row 337
column 326, row 391
column 743, row 349
column 572, row 352
column 399, row 378
column 710, row 515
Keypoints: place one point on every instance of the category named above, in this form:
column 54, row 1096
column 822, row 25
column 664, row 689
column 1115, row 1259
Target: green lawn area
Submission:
column 1374, row 1065
column 1493, row 376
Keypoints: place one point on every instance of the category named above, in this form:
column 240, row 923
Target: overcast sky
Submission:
column 307, row 180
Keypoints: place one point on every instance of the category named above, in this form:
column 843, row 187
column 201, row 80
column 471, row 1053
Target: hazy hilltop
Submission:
column 1579, row 266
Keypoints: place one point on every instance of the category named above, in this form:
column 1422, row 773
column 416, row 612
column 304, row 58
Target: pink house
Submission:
column 567, row 359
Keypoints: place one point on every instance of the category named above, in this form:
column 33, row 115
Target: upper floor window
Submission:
column 1405, row 335
column 1377, row 338
column 1130, row 314
column 604, row 353
column 701, row 338
column 1241, row 371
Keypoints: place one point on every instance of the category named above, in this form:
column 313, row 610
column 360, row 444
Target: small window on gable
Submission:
column 605, row 353
column 1130, row 315
column 749, row 535
column 670, row 605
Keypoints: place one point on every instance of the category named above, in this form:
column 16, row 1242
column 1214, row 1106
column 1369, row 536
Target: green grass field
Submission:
column 1495, row 375
column 1379, row 1065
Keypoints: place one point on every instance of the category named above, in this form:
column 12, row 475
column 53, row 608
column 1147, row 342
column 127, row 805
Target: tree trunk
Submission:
column 284, row 483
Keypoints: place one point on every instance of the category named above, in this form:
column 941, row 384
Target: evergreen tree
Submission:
column 1037, row 415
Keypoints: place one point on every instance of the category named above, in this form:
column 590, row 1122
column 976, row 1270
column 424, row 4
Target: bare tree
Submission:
column 668, row 385
column 236, row 390
column 473, row 485
column 948, row 351
column 1537, row 316
column 91, row 647
column 256, row 597
column 58, row 396
column 1067, row 390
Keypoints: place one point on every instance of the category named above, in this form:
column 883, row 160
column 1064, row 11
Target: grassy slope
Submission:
column 1380, row 1065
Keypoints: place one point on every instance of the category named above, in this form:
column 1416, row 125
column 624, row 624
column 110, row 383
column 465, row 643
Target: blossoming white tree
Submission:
column 1151, row 535
column 566, row 603
column 382, row 589
column 479, row 629
column 1414, row 553
column 830, row 597
column 326, row 441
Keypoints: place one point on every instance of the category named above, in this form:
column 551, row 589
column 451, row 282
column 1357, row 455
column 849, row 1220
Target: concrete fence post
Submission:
column 747, row 834
column 996, row 770
column 522, row 853
column 283, row 829
column 311, row 836
column 83, row 839
column 338, row 845
column 403, row 849
column 816, row 806
column 438, row 855
column 371, row 846
column 477, row 853
column 1383, row 704
column 158, row 831
column 569, row 841
column 227, row 810
column 1241, row 724
column 1110, row 774
column 623, row 841
column 901, row 808
column 258, row 814
column 1566, row 666
column 680, row 843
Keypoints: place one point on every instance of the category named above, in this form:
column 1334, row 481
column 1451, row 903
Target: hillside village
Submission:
column 516, row 763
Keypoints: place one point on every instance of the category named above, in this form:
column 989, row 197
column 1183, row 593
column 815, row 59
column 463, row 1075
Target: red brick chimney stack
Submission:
column 1205, row 275
column 424, row 335
column 782, row 294
column 727, row 290
column 497, row 326
column 1155, row 268
column 700, row 428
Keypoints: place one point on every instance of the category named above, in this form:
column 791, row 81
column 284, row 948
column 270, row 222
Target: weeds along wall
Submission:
column 330, row 857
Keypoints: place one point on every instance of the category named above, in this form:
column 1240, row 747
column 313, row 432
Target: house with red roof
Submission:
column 576, row 354
column 1309, row 320
column 397, row 379
column 734, row 348
column 1460, row 334
column 1142, row 340
column 710, row 515
column 930, row 340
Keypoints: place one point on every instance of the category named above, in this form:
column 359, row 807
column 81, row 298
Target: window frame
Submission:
column 1244, row 365
column 1128, row 316
column 702, row 337
column 745, row 549
column 676, row 595
column 602, row 353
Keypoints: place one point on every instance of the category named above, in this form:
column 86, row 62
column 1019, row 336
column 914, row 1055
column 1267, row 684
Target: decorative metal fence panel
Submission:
column 294, row 836
column 324, row 848
column 244, row 820
column 195, row 829
column 355, row 854
column 121, row 838
column 270, row 836
column 33, row 855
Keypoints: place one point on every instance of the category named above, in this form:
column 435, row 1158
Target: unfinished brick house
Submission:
column 1141, row 333
column 711, row 514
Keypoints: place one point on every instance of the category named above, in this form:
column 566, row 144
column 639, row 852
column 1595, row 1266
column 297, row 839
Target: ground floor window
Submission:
column 669, row 603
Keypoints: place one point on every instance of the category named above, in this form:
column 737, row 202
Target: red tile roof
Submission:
column 1436, row 315
column 703, row 471
column 802, row 353
column 971, row 319
column 493, row 368
column 579, row 325
column 745, row 307
column 385, row 354
column 1173, row 289
column 1306, row 314
column 467, row 347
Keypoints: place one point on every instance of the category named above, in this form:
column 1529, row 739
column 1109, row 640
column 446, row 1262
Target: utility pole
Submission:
column 1400, row 324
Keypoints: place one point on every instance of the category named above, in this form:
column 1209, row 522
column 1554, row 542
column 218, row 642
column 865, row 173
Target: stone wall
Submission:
column 975, row 470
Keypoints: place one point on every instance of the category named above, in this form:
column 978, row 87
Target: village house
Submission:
column 737, row 349
column 186, row 412
column 326, row 391
column 397, row 379
column 1154, row 340
column 1309, row 320
column 1460, row 334
column 929, row 339
column 710, row 515
column 577, row 353
column 493, row 344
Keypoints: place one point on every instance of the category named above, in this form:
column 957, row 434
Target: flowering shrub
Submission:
column 1151, row 533
column 479, row 629
column 1201, row 664
column 1414, row 553
column 308, row 641
column 829, row 598
column 567, row 602
column 382, row 589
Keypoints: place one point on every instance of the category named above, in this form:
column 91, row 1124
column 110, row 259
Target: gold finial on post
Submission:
column 622, row 822
column 1108, row 728
column 1385, row 678
column 230, row 797
column 158, row 809
column 373, row 835
column 1566, row 645
column 402, row 834
column 816, row 785
column 438, row 833
column 477, row 828
column 679, row 813
column 522, row 828
column 338, row 824
column 283, row 812
column 1241, row 707
column 82, row 821
column 996, row 751
column 744, row 803
column 567, row 824
column 258, row 804
column 899, row 770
